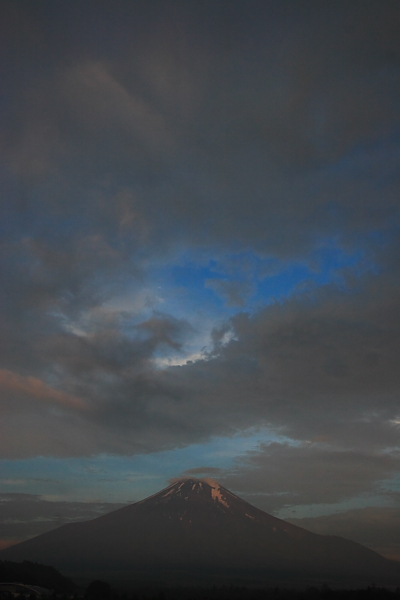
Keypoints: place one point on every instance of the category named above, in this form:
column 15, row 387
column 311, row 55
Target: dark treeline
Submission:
column 99, row 590
column 102, row 591
column 62, row 588
column 32, row 573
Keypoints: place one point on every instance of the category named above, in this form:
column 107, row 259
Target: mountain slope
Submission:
column 197, row 524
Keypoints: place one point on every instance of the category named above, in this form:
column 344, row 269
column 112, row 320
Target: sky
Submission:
column 199, row 258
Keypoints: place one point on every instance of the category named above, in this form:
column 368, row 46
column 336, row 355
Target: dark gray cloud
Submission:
column 203, row 471
column 314, row 368
column 26, row 515
column 202, row 130
column 281, row 475
column 198, row 116
column 135, row 134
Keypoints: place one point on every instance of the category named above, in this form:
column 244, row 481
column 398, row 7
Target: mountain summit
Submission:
column 196, row 526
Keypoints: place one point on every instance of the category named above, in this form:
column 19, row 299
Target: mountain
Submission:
column 197, row 530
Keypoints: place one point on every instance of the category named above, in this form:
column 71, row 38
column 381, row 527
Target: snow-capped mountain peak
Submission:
column 187, row 487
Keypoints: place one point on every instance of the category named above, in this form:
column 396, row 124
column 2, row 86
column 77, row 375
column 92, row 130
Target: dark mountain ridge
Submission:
column 35, row 574
column 198, row 526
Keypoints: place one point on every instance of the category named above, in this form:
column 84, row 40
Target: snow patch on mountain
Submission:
column 184, row 486
column 216, row 493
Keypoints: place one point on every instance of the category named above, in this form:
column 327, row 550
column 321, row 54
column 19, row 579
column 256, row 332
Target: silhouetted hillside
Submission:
column 35, row 574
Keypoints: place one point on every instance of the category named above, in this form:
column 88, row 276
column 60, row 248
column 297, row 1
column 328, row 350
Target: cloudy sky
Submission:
column 200, row 258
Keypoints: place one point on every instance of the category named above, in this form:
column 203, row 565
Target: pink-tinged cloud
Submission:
column 12, row 382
